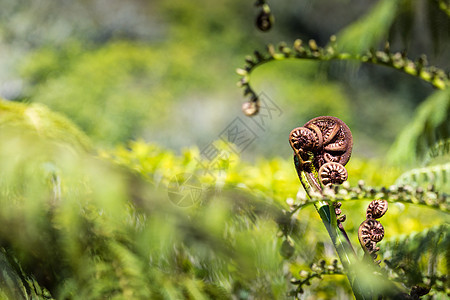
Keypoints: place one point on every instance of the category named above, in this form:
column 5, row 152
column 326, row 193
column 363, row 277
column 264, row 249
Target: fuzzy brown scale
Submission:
column 337, row 208
column 264, row 21
column 250, row 108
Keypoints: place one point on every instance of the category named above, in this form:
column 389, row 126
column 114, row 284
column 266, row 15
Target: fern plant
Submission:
column 76, row 223
column 323, row 145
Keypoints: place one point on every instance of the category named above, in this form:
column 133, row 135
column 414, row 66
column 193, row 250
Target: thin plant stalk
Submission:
column 338, row 236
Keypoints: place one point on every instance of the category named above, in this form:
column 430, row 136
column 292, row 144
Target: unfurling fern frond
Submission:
column 430, row 125
column 438, row 175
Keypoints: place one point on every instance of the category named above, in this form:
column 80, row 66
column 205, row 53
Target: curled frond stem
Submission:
column 433, row 75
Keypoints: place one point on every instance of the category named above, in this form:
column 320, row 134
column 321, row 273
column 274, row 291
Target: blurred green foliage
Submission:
column 38, row 119
column 367, row 32
column 126, row 87
column 112, row 219
column 429, row 126
column 108, row 92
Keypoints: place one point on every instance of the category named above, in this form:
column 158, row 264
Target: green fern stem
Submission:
column 361, row 273
column 337, row 234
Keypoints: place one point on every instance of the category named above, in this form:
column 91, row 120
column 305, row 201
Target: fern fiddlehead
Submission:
column 309, row 149
column 371, row 231
column 319, row 171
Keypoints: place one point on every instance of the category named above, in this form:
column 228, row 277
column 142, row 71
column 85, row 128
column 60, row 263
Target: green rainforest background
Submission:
column 117, row 178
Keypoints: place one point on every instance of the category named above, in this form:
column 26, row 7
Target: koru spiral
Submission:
column 329, row 142
column 371, row 231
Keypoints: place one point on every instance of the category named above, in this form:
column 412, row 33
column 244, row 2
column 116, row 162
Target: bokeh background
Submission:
column 164, row 71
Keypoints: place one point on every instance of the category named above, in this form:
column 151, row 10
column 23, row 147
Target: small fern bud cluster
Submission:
column 326, row 143
column 371, row 231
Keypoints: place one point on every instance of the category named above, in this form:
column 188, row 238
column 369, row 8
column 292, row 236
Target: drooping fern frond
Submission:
column 392, row 20
column 430, row 125
column 436, row 77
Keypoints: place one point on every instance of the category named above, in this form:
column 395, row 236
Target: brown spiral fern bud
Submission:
column 301, row 138
column 333, row 139
column 332, row 173
column 322, row 142
column 376, row 209
column 371, row 231
column 328, row 138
